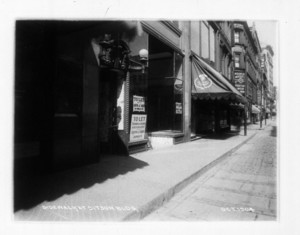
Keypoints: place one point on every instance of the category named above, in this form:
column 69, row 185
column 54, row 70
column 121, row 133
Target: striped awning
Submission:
column 209, row 84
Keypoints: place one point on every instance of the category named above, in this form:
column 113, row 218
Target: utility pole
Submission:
column 261, row 104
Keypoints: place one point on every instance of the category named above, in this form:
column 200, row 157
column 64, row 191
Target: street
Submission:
column 242, row 187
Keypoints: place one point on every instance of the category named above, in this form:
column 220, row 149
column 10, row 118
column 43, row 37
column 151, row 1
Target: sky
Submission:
column 268, row 35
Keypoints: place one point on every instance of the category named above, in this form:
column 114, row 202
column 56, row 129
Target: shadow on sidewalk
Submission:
column 31, row 190
column 222, row 136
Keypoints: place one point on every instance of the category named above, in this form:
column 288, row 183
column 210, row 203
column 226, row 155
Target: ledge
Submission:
column 145, row 141
column 166, row 133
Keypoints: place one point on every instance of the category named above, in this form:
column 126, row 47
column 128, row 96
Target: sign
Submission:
column 178, row 108
column 138, row 103
column 239, row 82
column 138, row 126
column 259, row 96
column 202, row 82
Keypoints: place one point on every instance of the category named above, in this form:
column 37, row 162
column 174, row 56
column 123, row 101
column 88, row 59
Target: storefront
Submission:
column 155, row 98
column 70, row 93
column 255, row 111
column 92, row 89
column 214, row 99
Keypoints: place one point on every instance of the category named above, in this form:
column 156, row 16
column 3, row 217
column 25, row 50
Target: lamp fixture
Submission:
column 143, row 53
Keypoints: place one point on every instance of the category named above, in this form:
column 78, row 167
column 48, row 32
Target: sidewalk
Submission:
column 127, row 188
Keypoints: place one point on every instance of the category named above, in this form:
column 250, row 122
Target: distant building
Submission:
column 267, row 62
column 247, row 76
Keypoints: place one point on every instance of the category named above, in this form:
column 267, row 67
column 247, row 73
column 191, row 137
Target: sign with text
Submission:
column 259, row 97
column 138, row 103
column 239, row 82
column 138, row 126
column 178, row 108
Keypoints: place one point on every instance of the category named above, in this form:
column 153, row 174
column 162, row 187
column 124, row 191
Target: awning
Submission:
column 237, row 106
column 255, row 109
column 209, row 84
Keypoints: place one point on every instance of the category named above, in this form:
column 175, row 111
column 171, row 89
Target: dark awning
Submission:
column 209, row 84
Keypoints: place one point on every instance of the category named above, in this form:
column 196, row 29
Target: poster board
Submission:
column 138, row 127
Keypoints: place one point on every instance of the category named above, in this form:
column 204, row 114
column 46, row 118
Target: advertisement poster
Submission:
column 138, row 126
column 178, row 108
column 138, row 103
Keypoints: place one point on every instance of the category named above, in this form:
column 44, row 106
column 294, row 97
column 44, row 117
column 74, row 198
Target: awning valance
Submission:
column 255, row 109
column 237, row 106
column 209, row 84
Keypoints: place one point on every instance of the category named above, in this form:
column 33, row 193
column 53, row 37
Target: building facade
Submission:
column 267, row 58
column 93, row 89
column 247, row 66
column 86, row 90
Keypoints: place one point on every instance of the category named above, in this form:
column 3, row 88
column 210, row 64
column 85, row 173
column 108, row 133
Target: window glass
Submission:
column 212, row 44
column 195, row 36
column 165, row 106
column 237, row 61
column 204, row 40
column 236, row 37
column 137, row 103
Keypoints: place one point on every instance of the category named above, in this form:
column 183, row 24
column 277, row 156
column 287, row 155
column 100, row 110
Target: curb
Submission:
column 167, row 195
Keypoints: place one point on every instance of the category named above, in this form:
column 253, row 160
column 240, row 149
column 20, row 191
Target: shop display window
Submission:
column 165, row 86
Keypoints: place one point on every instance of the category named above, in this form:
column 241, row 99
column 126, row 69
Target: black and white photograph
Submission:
column 147, row 120
column 155, row 120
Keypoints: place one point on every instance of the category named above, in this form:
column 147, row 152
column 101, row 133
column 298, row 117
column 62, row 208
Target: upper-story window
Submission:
column 212, row 44
column 195, row 36
column 236, row 37
column 204, row 50
column 237, row 61
column 203, row 40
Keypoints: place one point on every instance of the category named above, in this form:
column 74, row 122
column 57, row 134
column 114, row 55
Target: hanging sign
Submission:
column 178, row 108
column 138, row 127
column 138, row 103
column 239, row 82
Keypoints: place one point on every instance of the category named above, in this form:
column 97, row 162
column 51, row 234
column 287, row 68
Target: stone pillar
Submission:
column 187, row 69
